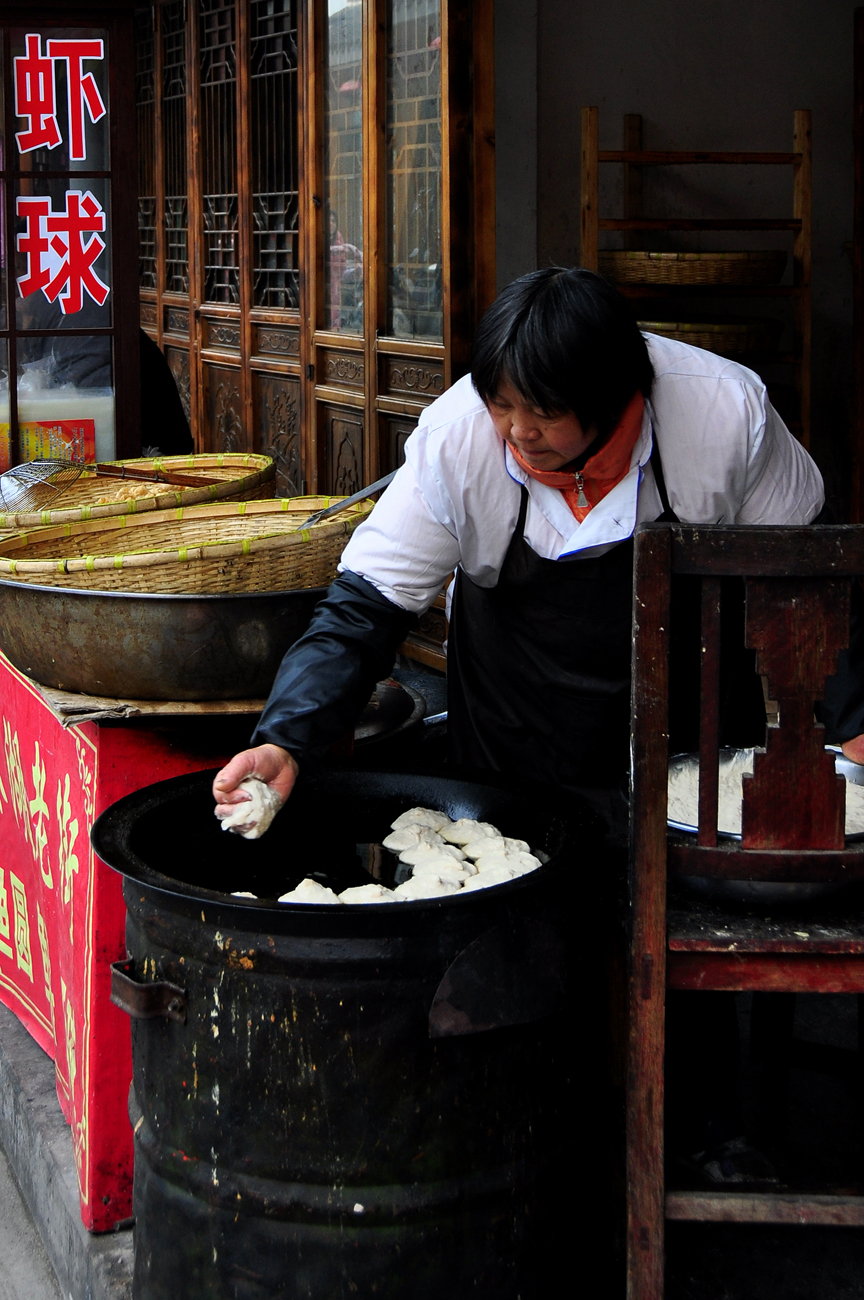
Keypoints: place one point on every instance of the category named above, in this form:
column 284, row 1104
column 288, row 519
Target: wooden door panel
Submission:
column 341, row 368
column 394, row 433
column 276, row 432
column 221, row 335
column 418, row 378
column 342, row 449
column 223, row 406
column 280, row 342
column 176, row 320
column 178, row 363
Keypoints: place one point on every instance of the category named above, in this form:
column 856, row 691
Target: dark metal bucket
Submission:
column 342, row 1101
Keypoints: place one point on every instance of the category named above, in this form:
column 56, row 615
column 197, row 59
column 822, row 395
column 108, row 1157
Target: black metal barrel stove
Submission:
column 342, row 1100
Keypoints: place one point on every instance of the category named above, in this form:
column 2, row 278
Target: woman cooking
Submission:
column 527, row 478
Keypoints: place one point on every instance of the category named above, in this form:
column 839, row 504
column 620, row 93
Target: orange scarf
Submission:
column 582, row 489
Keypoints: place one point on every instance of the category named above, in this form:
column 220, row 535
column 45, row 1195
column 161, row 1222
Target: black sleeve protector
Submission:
column 327, row 677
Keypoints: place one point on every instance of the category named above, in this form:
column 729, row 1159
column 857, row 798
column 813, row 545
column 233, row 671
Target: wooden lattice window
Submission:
column 310, row 216
column 218, row 93
column 275, row 158
column 175, row 206
column 413, row 88
column 145, row 102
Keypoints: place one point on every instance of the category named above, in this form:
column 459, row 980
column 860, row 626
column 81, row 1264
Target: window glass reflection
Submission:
column 343, row 169
column 415, row 291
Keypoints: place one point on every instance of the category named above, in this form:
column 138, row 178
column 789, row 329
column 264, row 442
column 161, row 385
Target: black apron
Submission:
column 539, row 668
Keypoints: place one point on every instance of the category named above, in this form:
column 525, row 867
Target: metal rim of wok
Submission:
column 178, row 596
column 113, row 838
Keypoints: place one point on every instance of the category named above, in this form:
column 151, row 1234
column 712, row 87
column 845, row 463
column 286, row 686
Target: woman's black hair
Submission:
column 567, row 341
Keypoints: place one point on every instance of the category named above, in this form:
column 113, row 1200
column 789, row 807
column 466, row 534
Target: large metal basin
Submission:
column 142, row 646
column 765, row 891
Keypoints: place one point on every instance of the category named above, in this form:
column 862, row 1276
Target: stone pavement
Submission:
column 25, row 1273
column 38, row 1146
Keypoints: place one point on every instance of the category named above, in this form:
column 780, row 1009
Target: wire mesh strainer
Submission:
column 36, row 483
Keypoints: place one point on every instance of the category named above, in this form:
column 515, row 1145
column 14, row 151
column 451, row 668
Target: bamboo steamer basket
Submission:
column 205, row 549
column 627, row 266
column 237, row 475
column 729, row 338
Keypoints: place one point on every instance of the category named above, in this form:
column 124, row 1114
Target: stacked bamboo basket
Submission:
column 733, row 267
column 216, row 549
column 240, row 476
column 106, row 534
column 730, row 336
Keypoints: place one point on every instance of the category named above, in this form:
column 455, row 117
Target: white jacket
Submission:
column 727, row 458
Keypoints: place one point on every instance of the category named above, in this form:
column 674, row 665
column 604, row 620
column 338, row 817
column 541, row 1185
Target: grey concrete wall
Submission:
column 516, row 137
column 703, row 75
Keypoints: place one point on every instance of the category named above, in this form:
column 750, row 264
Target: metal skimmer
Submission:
column 327, row 511
column 35, row 484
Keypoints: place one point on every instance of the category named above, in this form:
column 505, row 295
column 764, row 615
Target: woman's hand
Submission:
column 269, row 763
column 854, row 749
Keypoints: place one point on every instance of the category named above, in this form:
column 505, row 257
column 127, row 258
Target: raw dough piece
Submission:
column 423, row 852
column 252, row 817
column 424, row 887
column 443, row 869
column 521, row 846
column 407, row 837
column 497, row 875
column 309, row 891
column 421, row 817
column 483, row 844
column 371, row 893
column 438, row 867
column 466, row 829
column 520, row 863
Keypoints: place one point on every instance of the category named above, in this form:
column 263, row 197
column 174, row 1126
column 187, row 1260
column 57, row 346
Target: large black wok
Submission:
column 166, row 838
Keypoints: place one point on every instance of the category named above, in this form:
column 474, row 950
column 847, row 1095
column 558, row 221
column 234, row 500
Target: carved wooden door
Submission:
column 316, row 219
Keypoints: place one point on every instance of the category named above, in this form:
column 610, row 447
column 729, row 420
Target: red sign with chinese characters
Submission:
column 36, row 93
column 62, row 918
column 60, row 246
column 61, row 924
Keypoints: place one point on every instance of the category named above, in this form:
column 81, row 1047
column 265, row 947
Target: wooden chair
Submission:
column 797, row 584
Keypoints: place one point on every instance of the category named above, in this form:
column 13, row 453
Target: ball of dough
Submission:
column 466, row 829
column 424, row 887
column 407, row 837
column 442, row 868
column 309, row 891
column 252, row 817
column 420, row 817
column 371, row 893
column 422, row 852
column 497, row 875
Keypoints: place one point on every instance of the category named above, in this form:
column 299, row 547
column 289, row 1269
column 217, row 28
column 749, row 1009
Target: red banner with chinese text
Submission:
column 62, row 918
column 61, row 921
